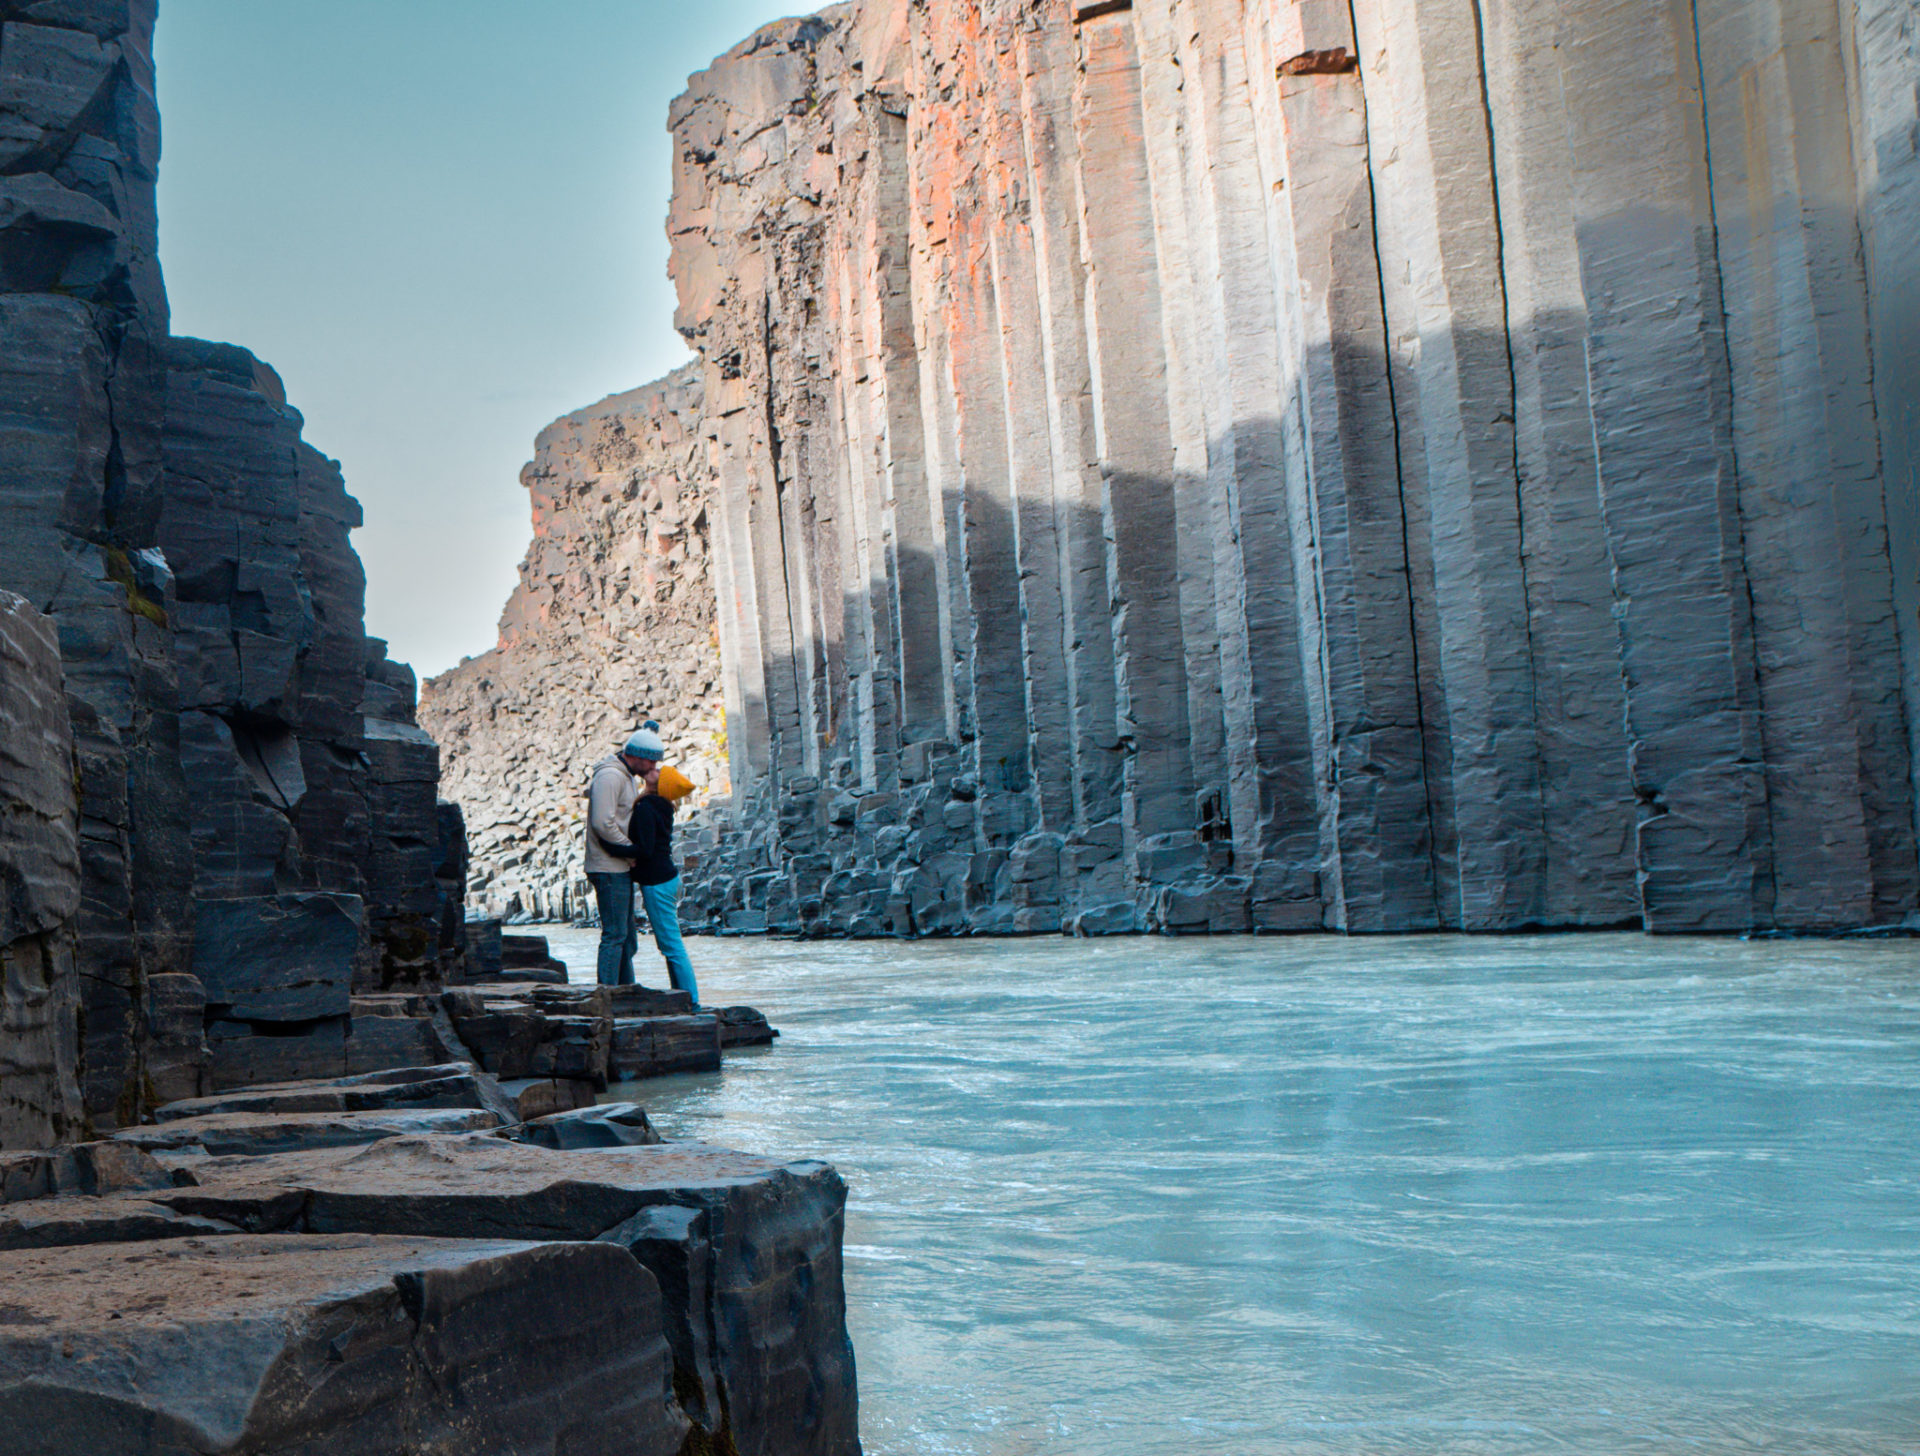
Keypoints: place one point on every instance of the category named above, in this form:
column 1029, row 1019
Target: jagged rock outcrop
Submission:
column 236, row 855
column 612, row 624
column 82, row 401
column 1212, row 465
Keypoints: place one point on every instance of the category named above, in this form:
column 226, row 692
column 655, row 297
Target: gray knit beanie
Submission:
column 645, row 742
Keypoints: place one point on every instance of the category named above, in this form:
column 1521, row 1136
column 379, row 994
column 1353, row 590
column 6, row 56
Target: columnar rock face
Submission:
column 39, row 888
column 82, row 398
column 612, row 624
column 1211, row 465
column 233, row 854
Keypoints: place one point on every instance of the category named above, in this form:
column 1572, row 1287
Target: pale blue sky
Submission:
column 442, row 222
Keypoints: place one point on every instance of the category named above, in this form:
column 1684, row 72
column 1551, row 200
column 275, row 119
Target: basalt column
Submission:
column 161, row 518
column 82, row 391
column 1196, row 465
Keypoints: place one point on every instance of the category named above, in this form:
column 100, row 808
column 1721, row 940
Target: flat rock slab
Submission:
column 513, row 1038
column 522, row 977
column 767, row 1324
column 536, row 1097
column 254, row 1134
column 101, row 1167
column 453, row 1085
column 348, row 1346
column 657, row 1046
column 477, row 1188
column 53, row 1223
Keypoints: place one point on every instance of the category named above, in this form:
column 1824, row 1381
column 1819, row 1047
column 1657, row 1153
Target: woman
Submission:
column 650, row 832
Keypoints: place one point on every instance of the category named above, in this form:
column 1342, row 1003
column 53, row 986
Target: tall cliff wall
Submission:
column 1210, row 464
column 203, row 847
column 611, row 624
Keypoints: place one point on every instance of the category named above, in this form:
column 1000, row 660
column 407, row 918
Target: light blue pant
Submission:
column 663, row 910
column 619, row 936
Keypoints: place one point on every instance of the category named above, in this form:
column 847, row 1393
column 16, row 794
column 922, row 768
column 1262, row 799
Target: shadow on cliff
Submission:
column 1524, row 684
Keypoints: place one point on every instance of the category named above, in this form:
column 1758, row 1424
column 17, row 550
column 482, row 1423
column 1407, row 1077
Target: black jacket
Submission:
column 650, row 831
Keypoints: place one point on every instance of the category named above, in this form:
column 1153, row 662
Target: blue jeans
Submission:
column 663, row 910
column 619, row 936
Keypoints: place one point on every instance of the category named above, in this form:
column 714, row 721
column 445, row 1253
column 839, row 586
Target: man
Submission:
column 618, row 780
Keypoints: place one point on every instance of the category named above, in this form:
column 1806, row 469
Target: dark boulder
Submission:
column 610, row 1125
column 744, row 1026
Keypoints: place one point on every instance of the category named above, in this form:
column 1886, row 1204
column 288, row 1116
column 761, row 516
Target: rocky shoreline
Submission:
column 401, row 1262
column 462, row 1251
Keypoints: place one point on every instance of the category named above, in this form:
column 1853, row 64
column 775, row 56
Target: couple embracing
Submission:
column 630, row 844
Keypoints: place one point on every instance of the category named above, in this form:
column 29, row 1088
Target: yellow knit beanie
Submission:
column 673, row 785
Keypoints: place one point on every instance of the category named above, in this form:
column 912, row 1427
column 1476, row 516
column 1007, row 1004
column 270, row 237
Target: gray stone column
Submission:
column 40, row 871
column 1588, row 809
column 1882, row 63
column 1136, row 450
column 1092, row 868
column 1659, row 390
column 1263, row 691
column 1348, row 526
column 1438, row 226
column 1806, row 440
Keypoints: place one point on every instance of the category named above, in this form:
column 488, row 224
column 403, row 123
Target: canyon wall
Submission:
column 612, row 624
column 217, row 813
column 1226, row 464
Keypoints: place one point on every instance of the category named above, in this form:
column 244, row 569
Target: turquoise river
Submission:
column 1571, row 1194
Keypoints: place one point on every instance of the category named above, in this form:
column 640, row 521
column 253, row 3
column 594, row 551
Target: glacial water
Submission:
column 1578, row 1194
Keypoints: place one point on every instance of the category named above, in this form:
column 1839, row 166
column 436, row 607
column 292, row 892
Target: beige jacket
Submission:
column 610, row 799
